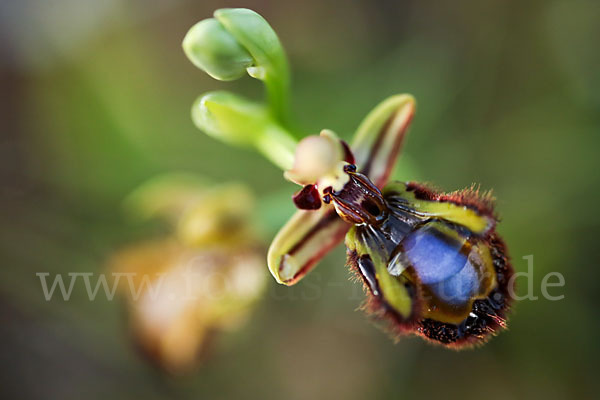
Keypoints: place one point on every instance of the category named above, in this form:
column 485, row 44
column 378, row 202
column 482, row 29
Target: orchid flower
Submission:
column 202, row 277
column 310, row 234
column 431, row 263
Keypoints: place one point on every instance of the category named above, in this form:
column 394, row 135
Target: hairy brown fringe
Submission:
column 472, row 197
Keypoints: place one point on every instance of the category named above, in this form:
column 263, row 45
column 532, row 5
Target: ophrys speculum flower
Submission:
column 431, row 263
column 204, row 275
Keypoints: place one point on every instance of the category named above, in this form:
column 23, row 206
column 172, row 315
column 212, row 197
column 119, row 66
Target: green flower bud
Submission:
column 237, row 121
column 255, row 34
column 211, row 48
column 236, row 41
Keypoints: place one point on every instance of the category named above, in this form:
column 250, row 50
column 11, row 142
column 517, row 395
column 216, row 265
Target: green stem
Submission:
column 278, row 145
column 278, row 97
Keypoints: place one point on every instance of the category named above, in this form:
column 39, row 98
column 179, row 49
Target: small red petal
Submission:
column 308, row 198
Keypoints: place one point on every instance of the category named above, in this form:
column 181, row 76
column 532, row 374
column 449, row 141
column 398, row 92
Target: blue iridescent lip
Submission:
column 440, row 264
column 434, row 256
column 460, row 288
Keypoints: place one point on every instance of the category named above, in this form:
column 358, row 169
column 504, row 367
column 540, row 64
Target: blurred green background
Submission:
column 96, row 98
